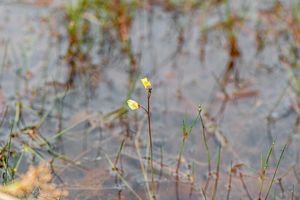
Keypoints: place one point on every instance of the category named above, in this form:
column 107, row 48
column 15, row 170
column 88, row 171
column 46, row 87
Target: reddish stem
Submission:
column 150, row 138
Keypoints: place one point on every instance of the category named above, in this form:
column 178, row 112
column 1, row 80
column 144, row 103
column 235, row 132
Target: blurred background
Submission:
column 67, row 68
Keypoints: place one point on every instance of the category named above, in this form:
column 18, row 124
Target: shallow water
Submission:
column 168, row 47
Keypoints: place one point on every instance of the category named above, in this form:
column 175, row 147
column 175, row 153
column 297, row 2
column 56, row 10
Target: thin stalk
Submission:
column 185, row 134
column 4, row 115
column 274, row 195
column 279, row 179
column 207, row 183
column 292, row 195
column 280, row 158
column 4, row 59
column 6, row 160
column 203, row 194
column 205, row 143
column 150, row 138
column 17, row 115
column 27, row 148
column 229, row 184
column 180, row 154
column 161, row 158
column 245, row 187
column 193, row 172
column 192, row 179
column 118, row 155
column 262, row 177
column 217, row 174
column 136, row 142
column 184, row 137
column 161, row 168
column 123, row 179
column 17, row 165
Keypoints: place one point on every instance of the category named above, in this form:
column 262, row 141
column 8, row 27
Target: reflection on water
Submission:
column 65, row 77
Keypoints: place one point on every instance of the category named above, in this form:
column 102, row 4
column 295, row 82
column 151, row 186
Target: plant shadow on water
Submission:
column 67, row 69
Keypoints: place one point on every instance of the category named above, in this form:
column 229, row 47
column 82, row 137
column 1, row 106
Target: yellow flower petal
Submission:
column 146, row 83
column 133, row 105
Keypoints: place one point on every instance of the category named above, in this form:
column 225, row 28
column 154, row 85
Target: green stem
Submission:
column 180, row 155
column 280, row 158
column 262, row 177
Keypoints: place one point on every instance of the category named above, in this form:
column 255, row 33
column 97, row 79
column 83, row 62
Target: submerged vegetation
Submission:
column 69, row 76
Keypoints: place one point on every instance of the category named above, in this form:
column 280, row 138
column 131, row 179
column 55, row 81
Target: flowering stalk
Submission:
column 133, row 105
column 148, row 87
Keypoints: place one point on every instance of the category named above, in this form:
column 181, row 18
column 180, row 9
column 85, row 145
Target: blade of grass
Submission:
column 262, row 177
column 185, row 135
column 16, row 167
column 280, row 158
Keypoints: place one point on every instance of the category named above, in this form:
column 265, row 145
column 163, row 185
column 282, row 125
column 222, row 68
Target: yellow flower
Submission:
column 133, row 105
column 146, row 83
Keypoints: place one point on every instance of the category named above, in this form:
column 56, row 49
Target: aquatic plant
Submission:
column 135, row 105
column 185, row 134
